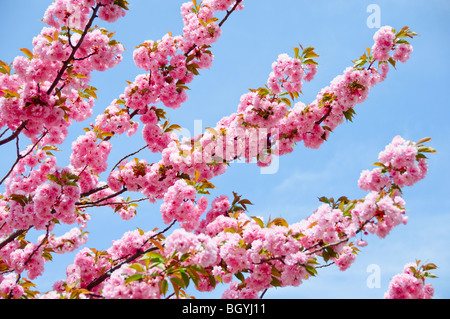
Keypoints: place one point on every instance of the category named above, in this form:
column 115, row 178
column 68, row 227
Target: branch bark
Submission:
column 75, row 49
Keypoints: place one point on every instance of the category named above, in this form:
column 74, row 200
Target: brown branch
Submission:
column 7, row 129
column 13, row 236
column 15, row 134
column 87, row 205
column 93, row 191
column 19, row 157
column 337, row 243
column 74, row 50
column 44, row 241
column 229, row 12
column 124, row 158
column 263, row 293
column 105, row 198
column 138, row 254
column 108, row 273
column 325, row 116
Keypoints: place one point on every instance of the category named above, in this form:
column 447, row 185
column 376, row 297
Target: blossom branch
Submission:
column 75, row 49
column 19, row 156
column 130, row 259
column 15, row 134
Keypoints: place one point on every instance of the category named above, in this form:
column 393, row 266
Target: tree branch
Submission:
column 229, row 13
column 75, row 49
column 220, row 24
column 124, row 158
column 15, row 134
column 13, row 236
column 105, row 198
column 19, row 157
column 95, row 190
column 138, row 254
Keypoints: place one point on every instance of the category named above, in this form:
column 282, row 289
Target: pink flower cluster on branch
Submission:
column 410, row 284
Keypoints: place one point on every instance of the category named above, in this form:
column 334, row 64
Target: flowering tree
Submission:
column 45, row 91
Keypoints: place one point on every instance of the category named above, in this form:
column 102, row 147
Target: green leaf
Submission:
column 212, row 281
column 258, row 221
column 47, row 256
column 153, row 257
column 324, row 199
column 137, row 267
column 311, row 270
column 286, row 101
column 275, row 282
column 4, row 68
column 297, row 52
column 240, row 276
column 27, row 52
column 163, row 286
column 178, row 281
column 194, row 276
column 426, row 149
column 424, row 140
column 122, row 3
column 325, row 256
column 53, row 178
column 392, row 62
column 429, row 266
column 134, row 277
column 278, row 222
column 349, row 114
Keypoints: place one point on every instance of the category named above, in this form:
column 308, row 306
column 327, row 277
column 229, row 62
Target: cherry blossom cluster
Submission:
column 90, row 264
column 387, row 40
column 86, row 152
column 44, row 91
column 399, row 161
column 410, row 284
column 179, row 204
column 48, row 90
column 287, row 75
column 173, row 61
column 75, row 13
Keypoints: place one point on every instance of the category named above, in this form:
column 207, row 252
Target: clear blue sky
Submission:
column 412, row 102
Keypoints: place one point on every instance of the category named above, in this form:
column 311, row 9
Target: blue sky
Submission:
column 411, row 102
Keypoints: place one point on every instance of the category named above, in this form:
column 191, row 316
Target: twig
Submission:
column 105, row 198
column 139, row 253
column 325, row 116
column 75, row 49
column 93, row 191
column 230, row 12
column 43, row 241
column 87, row 205
column 13, row 236
column 19, row 156
column 7, row 129
column 15, row 134
column 263, row 293
column 124, row 158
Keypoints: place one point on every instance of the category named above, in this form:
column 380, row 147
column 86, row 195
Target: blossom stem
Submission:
column 74, row 50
